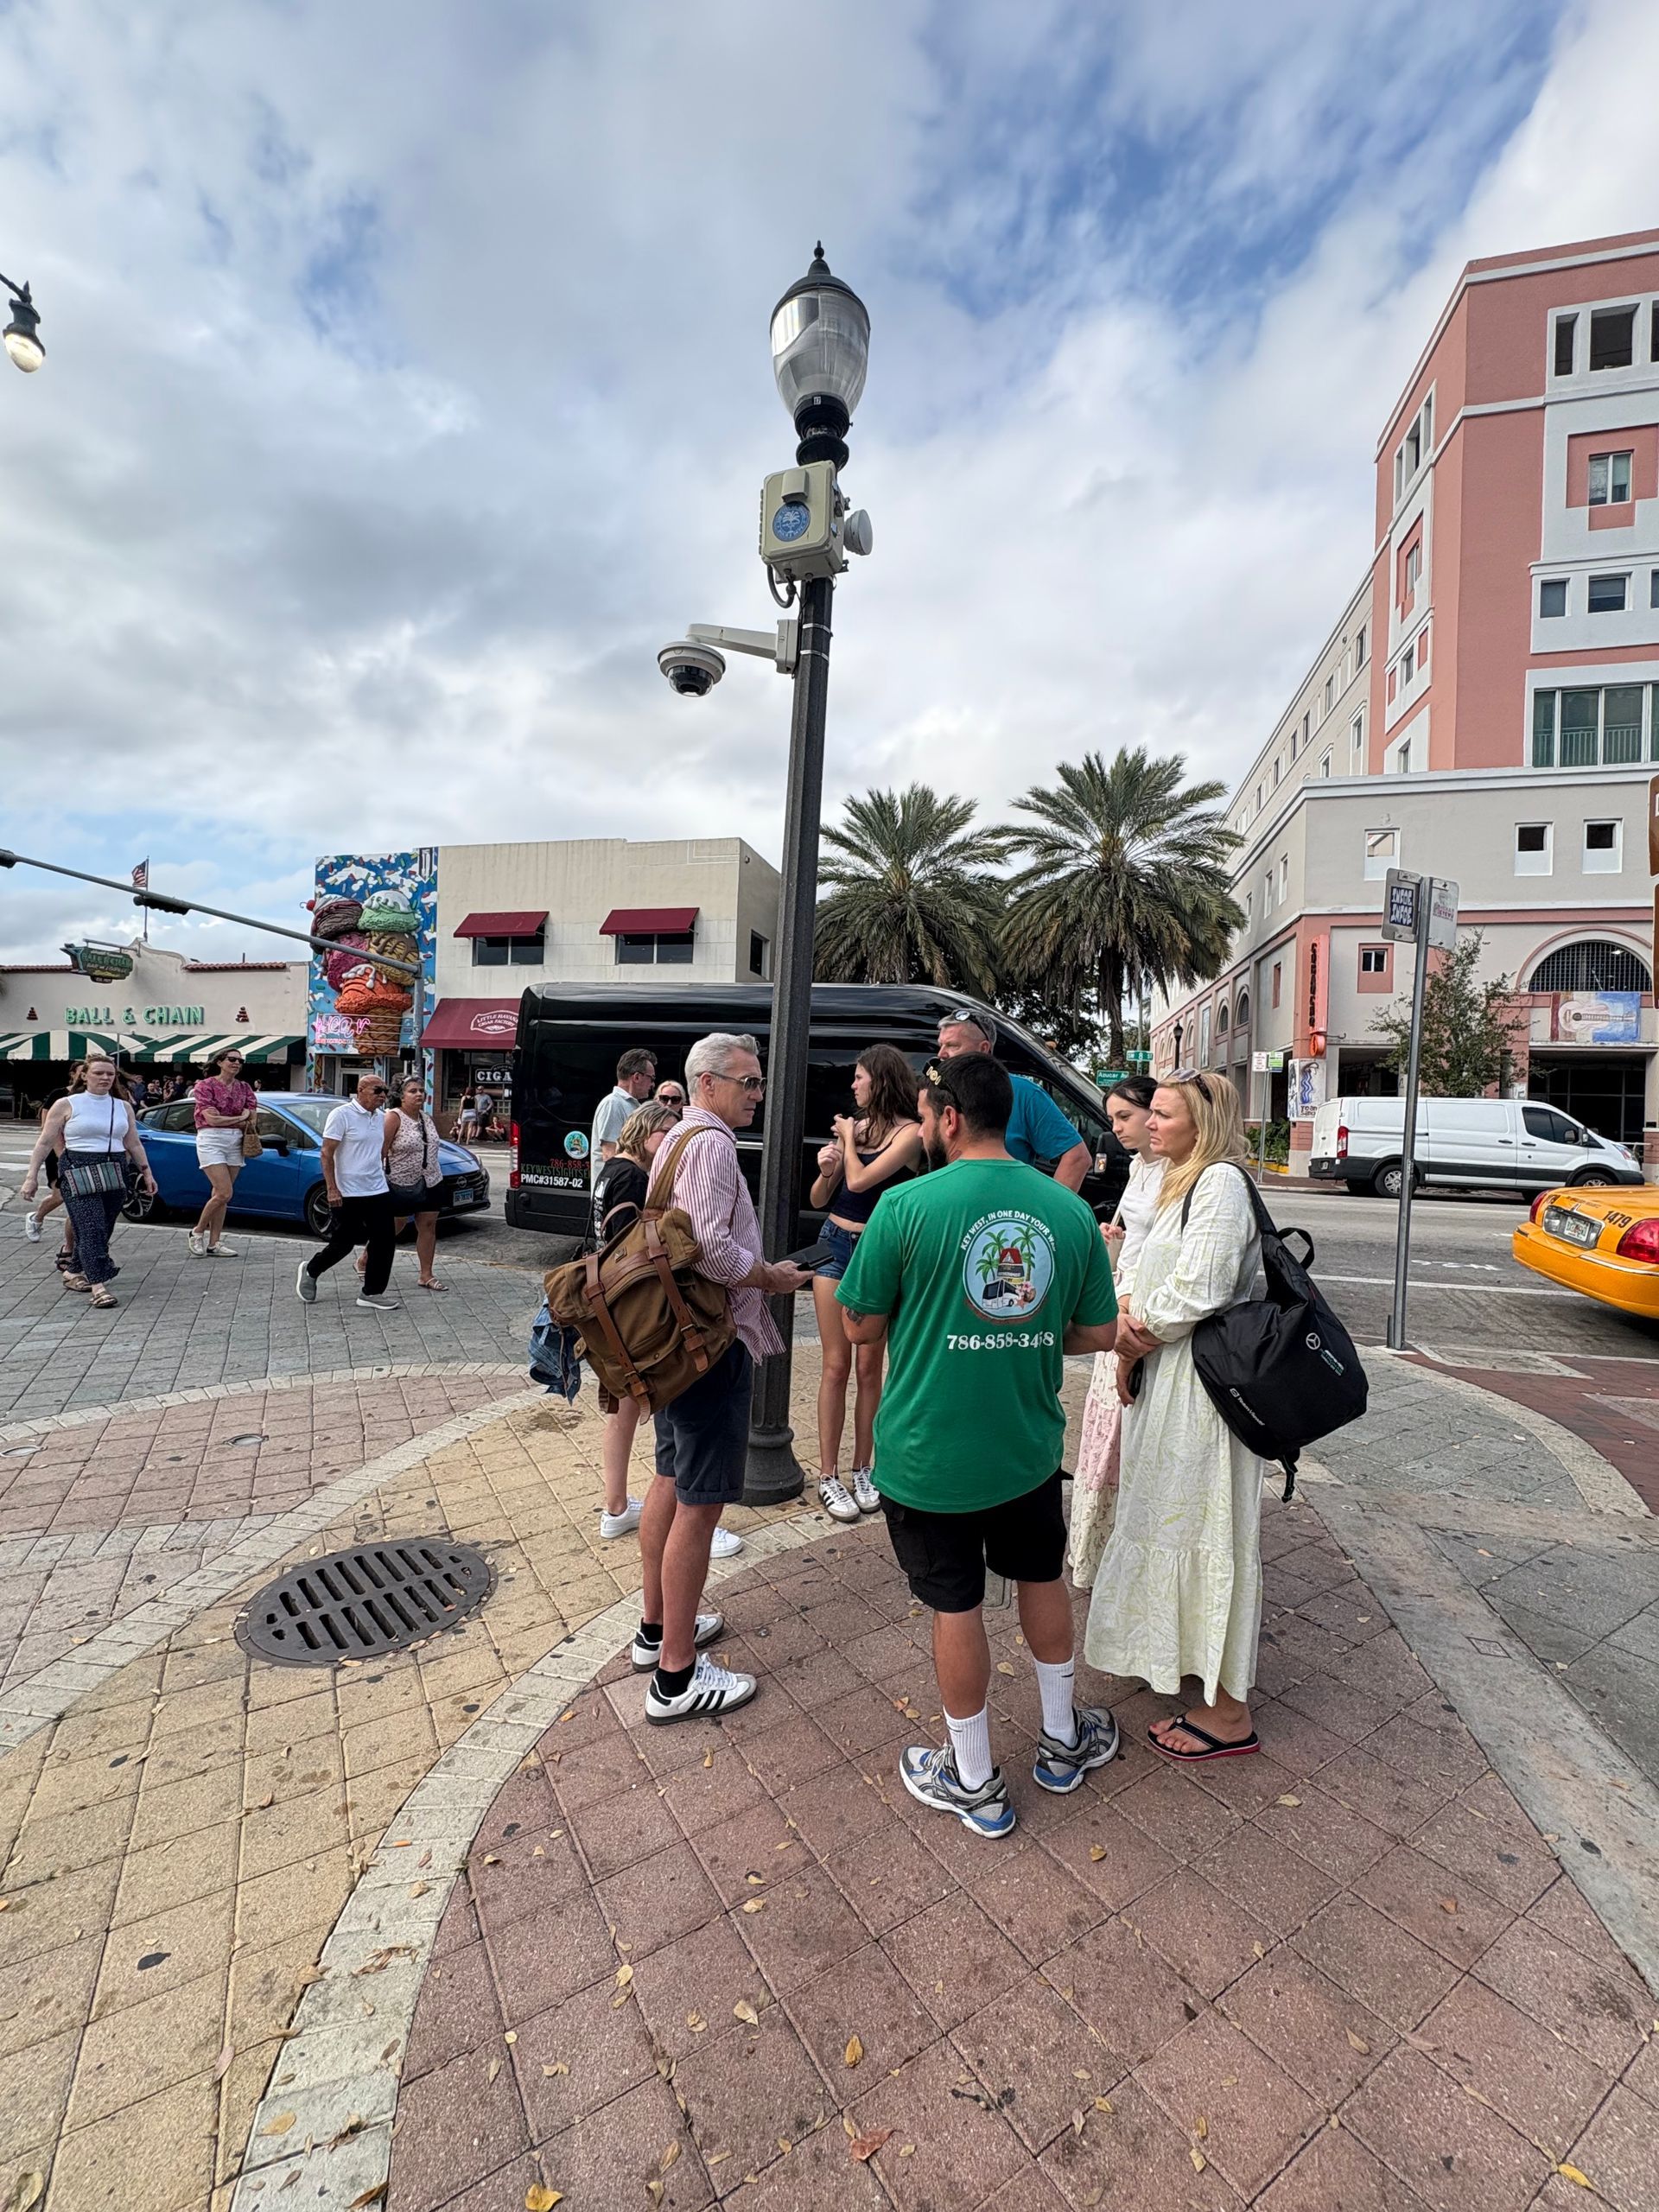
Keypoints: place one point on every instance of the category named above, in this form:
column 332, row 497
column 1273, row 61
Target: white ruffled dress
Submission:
column 1094, row 1485
column 1178, row 1589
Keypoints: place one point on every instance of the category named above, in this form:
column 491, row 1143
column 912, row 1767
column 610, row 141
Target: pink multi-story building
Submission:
column 1486, row 709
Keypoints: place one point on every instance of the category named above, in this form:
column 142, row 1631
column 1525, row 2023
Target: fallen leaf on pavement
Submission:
column 755, row 1904
column 538, row 2197
column 1102, row 2104
column 623, row 1976
column 744, row 2011
column 493, row 2069
column 1199, row 2162
column 511, row 2036
column 29, row 2188
column 709, row 1758
column 222, row 2064
column 853, row 2053
column 696, row 2022
column 419, row 1889
column 1201, row 2128
column 1448, row 1904
column 1003, row 1668
column 372, row 2194
column 754, row 1881
column 670, row 2152
column 1290, row 1801
column 1358, row 2043
column 556, row 2066
column 267, row 1801
column 654, row 2191
column 1096, row 1851
column 1572, row 2173
column 279, row 2123
column 864, row 2147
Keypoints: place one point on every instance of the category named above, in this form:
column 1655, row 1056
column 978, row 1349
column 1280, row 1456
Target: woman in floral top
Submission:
column 226, row 1109
column 413, row 1172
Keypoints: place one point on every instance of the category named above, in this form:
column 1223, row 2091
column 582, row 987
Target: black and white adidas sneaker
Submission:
column 712, row 1690
column 644, row 1656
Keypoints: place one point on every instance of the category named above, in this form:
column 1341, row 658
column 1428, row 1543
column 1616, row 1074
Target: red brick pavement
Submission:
column 1344, row 1973
column 181, row 1462
column 1588, row 1403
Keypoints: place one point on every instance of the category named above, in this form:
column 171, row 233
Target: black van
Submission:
column 571, row 1035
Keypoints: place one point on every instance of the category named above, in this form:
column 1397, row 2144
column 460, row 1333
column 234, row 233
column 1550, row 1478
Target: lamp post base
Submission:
column 773, row 1474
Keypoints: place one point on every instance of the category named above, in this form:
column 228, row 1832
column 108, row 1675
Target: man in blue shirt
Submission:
column 1038, row 1132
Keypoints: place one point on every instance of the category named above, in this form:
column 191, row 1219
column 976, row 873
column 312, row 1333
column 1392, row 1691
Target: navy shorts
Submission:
column 702, row 1439
column 945, row 1556
column 841, row 1242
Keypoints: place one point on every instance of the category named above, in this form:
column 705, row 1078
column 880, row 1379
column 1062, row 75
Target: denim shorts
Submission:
column 841, row 1242
column 413, row 1198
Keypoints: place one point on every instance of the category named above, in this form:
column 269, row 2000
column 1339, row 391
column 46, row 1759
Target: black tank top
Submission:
column 857, row 1206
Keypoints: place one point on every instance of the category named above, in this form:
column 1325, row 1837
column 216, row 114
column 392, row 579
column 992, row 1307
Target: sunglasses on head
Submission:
column 1193, row 1077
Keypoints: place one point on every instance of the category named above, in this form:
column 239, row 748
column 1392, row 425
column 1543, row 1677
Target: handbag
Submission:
column 251, row 1145
column 1281, row 1370
column 90, row 1179
column 649, row 1325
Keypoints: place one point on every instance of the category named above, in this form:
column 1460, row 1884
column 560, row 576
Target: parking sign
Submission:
column 1400, row 895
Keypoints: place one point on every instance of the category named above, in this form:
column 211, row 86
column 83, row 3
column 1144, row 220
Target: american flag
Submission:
column 140, row 876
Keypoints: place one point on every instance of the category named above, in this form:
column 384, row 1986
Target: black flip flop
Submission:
column 1217, row 1749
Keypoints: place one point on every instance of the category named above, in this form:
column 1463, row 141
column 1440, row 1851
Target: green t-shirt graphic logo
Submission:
column 1009, row 1267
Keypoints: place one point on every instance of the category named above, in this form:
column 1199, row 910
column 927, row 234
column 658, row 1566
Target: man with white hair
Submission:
column 702, row 1439
column 1038, row 1132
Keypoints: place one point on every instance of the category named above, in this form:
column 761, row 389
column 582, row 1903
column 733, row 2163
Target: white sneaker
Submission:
column 198, row 1243
column 711, row 1691
column 834, row 1497
column 866, row 1496
column 306, row 1284
column 623, row 1523
column 643, row 1654
column 32, row 1227
column 223, row 1252
column 379, row 1303
column 724, row 1544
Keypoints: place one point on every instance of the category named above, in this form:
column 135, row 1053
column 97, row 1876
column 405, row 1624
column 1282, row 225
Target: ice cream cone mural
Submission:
column 370, row 904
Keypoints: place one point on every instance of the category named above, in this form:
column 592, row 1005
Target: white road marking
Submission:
column 1485, row 1289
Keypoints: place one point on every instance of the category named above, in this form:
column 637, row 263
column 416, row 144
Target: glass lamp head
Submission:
column 22, row 334
column 820, row 351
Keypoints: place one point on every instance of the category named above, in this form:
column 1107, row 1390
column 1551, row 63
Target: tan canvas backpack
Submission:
column 649, row 1325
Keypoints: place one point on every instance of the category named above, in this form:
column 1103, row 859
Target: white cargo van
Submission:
column 1516, row 1144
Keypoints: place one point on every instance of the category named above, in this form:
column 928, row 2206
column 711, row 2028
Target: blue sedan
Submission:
column 285, row 1182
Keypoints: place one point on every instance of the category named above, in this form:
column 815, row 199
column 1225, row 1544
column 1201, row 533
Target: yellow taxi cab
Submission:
column 1604, row 1243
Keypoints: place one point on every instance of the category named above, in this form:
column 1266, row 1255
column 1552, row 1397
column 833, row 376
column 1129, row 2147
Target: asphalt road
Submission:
column 1464, row 1290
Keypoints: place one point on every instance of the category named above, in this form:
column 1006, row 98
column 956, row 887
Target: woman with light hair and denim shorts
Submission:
column 226, row 1109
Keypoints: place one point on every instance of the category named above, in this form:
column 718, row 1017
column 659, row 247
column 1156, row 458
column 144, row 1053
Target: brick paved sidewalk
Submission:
column 725, row 1961
column 1613, row 1404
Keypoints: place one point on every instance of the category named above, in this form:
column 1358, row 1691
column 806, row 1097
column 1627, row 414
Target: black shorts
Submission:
column 945, row 1556
column 702, row 1439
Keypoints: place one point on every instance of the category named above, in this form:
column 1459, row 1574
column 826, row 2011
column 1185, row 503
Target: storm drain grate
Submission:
column 358, row 1604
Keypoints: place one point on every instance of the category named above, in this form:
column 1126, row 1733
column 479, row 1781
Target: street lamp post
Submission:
column 21, row 336
column 820, row 351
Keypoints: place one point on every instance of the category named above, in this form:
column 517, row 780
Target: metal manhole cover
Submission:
column 358, row 1604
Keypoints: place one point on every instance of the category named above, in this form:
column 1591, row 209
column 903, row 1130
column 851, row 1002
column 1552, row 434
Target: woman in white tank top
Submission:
column 89, row 1130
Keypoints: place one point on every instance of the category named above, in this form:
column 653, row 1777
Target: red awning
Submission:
column 648, row 921
column 502, row 925
column 489, row 1024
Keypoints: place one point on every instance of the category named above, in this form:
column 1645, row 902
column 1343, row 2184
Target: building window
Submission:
column 1402, row 760
column 1552, row 596
column 1359, row 651
column 1608, row 594
column 1408, row 663
column 1249, row 908
column 1612, row 338
column 1277, row 978
column 1276, row 775
column 1653, row 334
column 1413, row 571
column 1330, row 693
column 1532, row 848
column 1598, row 727
column 1292, row 742
column 1566, row 332
column 510, row 951
column 1609, row 479
column 1242, row 1011
column 1653, row 587
column 1260, row 795
column 1373, row 959
column 1382, row 853
column 1359, row 733
column 1221, row 1018
column 1592, row 964
column 661, row 949
column 759, row 948
column 1267, row 894
column 1284, row 881
column 1603, row 848
column 1325, row 764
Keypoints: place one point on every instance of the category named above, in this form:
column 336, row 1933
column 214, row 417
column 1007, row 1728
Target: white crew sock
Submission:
column 970, row 1740
column 1056, row 1681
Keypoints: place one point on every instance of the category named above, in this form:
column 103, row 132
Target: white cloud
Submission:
column 407, row 386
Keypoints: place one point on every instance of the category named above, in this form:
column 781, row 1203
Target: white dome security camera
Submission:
column 692, row 669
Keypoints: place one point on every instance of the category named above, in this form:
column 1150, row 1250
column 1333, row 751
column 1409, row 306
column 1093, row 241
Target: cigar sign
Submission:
column 367, row 904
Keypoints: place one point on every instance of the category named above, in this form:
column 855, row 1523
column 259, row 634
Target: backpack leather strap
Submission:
column 686, row 1320
column 619, row 1350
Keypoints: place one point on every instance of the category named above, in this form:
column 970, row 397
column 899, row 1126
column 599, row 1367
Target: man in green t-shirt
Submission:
column 981, row 1275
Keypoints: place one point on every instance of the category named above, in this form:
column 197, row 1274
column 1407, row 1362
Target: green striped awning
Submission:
column 127, row 1045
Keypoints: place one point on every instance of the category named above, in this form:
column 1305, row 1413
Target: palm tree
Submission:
column 911, row 897
column 1125, row 884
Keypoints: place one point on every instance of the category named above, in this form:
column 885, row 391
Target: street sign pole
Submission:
column 1408, row 1135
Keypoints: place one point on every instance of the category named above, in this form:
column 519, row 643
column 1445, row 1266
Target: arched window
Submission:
column 1594, row 964
column 1242, row 1011
column 1221, row 1018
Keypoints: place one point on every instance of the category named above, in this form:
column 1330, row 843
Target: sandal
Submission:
column 1215, row 1749
column 103, row 1297
column 72, row 1281
column 434, row 1285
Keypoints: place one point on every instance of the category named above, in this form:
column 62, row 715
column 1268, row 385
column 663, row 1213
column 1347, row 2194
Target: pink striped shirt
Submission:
column 709, row 1187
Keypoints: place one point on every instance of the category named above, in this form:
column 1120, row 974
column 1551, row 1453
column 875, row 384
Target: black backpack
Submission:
column 1281, row 1370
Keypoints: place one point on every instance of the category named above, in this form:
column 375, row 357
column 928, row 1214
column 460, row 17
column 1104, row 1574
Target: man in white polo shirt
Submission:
column 360, row 1198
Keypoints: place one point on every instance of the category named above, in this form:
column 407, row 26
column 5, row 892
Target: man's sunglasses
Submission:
column 754, row 1084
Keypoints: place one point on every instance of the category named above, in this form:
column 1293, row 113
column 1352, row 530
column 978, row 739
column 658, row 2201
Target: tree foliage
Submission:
column 1125, row 885
column 910, row 893
column 1466, row 1026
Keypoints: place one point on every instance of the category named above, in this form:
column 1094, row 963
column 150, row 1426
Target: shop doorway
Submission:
column 1605, row 1090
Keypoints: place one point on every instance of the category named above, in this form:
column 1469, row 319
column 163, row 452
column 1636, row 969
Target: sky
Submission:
column 408, row 385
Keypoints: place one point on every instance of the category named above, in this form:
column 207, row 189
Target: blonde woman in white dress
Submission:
column 1179, row 1590
column 1095, row 1482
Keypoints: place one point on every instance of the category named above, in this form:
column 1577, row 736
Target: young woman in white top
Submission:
column 1179, row 1590
column 87, row 1129
column 1098, row 1449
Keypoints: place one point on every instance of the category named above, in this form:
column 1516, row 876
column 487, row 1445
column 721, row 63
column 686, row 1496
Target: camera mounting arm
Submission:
column 781, row 648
